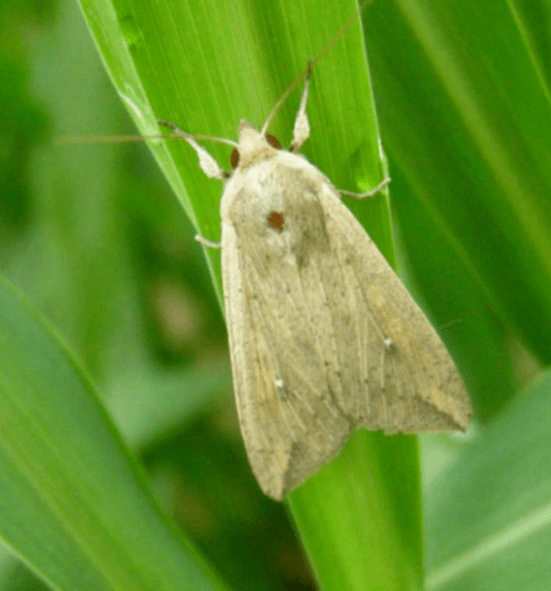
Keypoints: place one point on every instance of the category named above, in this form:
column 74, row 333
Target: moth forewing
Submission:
column 399, row 365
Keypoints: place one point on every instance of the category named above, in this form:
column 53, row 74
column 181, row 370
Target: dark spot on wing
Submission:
column 276, row 221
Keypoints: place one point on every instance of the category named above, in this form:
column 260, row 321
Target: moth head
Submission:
column 252, row 146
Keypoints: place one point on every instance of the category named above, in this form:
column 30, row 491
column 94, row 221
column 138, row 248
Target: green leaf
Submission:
column 74, row 505
column 360, row 517
column 147, row 410
column 488, row 515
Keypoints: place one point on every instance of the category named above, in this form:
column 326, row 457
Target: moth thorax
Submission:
column 252, row 145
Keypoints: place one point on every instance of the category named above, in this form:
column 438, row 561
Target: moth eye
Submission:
column 276, row 221
column 273, row 141
column 234, row 158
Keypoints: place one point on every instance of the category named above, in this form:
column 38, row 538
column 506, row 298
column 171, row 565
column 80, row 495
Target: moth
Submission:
column 323, row 336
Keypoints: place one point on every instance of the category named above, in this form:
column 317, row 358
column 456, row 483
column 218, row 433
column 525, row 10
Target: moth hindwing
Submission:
column 323, row 335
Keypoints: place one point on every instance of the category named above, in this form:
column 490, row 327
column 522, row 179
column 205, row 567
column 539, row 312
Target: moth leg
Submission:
column 207, row 163
column 206, row 242
column 367, row 194
column 301, row 130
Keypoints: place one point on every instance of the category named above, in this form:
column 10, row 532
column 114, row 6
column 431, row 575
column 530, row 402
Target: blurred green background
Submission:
column 94, row 237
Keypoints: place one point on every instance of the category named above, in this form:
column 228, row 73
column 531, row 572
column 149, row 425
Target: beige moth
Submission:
column 323, row 336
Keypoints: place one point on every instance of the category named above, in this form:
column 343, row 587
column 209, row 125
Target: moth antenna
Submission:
column 344, row 27
column 110, row 139
column 180, row 133
column 283, row 98
column 300, row 77
column 124, row 139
